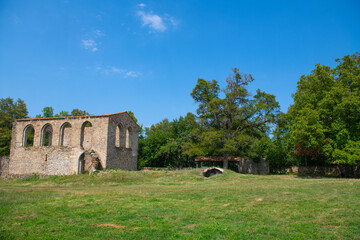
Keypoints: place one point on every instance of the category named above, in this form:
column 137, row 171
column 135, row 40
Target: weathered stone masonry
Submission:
column 68, row 145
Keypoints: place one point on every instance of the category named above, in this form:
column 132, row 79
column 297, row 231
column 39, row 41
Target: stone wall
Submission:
column 68, row 146
column 250, row 166
column 124, row 153
column 331, row 170
column 4, row 166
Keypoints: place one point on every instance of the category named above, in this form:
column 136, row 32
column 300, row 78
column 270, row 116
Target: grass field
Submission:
column 179, row 205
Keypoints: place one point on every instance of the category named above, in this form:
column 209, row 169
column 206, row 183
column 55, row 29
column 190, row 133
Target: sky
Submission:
column 146, row 56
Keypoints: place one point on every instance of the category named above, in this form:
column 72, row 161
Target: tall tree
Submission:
column 324, row 120
column 9, row 111
column 232, row 125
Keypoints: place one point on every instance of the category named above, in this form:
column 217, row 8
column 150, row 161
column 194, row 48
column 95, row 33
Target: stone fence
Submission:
column 254, row 167
column 331, row 170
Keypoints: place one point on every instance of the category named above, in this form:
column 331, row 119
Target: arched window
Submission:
column 85, row 136
column 46, row 135
column 128, row 139
column 119, row 138
column 28, row 139
column 65, row 134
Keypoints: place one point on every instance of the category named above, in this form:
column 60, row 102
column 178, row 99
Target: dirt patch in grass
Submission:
column 24, row 216
column 110, row 225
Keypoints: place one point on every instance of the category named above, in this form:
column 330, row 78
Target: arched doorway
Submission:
column 81, row 164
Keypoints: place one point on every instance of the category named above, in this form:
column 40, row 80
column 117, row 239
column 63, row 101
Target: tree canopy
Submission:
column 9, row 111
column 235, row 124
column 324, row 121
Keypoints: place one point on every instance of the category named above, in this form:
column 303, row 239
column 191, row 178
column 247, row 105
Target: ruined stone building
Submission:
column 72, row 145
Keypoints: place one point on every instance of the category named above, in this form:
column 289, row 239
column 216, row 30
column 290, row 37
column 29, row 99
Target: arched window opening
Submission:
column 28, row 140
column 128, row 139
column 65, row 134
column 46, row 135
column 119, row 136
column 86, row 135
column 81, row 164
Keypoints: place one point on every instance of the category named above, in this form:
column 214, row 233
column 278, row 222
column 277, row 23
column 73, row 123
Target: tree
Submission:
column 232, row 125
column 141, row 128
column 9, row 111
column 324, row 121
column 48, row 112
column 78, row 112
column 162, row 145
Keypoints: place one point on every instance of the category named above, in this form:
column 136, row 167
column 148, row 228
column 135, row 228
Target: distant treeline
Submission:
column 321, row 127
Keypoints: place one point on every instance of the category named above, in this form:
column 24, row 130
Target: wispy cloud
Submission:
column 89, row 44
column 112, row 70
column 131, row 74
column 141, row 5
column 91, row 41
column 154, row 21
column 98, row 33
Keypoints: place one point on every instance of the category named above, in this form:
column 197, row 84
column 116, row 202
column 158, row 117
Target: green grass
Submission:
column 179, row 205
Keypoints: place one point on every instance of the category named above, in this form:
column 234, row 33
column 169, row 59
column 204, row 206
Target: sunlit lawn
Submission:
column 179, row 205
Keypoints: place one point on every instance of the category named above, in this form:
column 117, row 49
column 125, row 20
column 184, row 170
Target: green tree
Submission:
column 9, row 111
column 48, row 112
column 324, row 120
column 162, row 145
column 78, row 112
column 235, row 124
column 141, row 128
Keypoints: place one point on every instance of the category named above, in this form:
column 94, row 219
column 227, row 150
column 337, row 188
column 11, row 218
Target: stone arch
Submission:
column 28, row 136
column 89, row 162
column 85, row 135
column 65, row 134
column 119, row 133
column 128, row 137
column 46, row 135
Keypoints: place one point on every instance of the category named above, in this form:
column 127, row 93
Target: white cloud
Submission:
column 174, row 21
column 142, row 5
column 154, row 21
column 131, row 74
column 111, row 70
column 89, row 44
column 98, row 33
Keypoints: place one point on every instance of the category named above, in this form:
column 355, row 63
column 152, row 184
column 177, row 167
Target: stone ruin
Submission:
column 243, row 165
column 73, row 145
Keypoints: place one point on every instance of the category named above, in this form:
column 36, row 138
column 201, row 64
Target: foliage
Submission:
column 9, row 111
column 49, row 112
column 141, row 128
column 162, row 145
column 234, row 125
column 324, row 121
column 78, row 112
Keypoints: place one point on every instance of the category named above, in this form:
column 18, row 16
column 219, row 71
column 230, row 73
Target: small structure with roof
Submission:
column 73, row 145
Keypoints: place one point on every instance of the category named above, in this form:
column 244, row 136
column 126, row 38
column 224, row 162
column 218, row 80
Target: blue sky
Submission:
column 146, row 56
